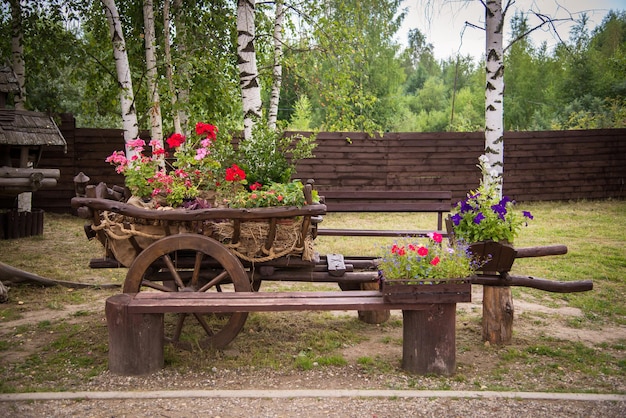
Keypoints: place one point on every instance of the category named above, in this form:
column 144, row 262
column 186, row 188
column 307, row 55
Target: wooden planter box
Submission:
column 497, row 257
column 448, row 291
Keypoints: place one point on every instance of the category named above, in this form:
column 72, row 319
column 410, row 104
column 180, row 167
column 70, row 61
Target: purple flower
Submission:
column 500, row 210
column 465, row 206
column 478, row 218
column 527, row 214
column 456, row 219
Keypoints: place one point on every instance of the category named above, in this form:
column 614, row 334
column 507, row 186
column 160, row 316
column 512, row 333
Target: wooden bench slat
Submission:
column 179, row 302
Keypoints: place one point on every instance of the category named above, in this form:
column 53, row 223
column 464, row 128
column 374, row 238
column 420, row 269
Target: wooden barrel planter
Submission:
column 15, row 224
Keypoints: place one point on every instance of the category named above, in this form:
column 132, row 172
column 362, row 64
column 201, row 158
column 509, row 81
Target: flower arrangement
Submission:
column 192, row 169
column 483, row 216
column 433, row 261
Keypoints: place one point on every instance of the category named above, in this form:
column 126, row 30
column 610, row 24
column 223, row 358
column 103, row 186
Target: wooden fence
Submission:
column 539, row 166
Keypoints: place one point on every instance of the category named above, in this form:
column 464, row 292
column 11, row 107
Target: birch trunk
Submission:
column 17, row 52
column 494, row 90
column 248, row 73
column 277, row 71
column 182, row 71
column 169, row 75
column 156, row 122
column 122, row 66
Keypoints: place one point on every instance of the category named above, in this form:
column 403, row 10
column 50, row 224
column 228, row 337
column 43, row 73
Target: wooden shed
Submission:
column 23, row 137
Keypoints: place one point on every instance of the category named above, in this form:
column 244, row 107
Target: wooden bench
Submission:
column 439, row 202
column 136, row 325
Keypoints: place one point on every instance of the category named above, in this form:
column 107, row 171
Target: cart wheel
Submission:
column 191, row 263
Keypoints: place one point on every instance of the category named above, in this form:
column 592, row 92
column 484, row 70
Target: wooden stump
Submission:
column 497, row 315
column 135, row 340
column 429, row 340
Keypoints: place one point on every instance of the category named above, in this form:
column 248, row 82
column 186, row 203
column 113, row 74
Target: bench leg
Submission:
column 429, row 340
column 369, row 317
column 135, row 340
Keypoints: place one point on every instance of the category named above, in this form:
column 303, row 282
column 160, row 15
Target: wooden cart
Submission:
column 188, row 251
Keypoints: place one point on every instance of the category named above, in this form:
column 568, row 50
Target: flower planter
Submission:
column 439, row 291
column 496, row 256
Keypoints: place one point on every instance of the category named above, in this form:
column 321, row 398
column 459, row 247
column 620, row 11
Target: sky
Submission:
column 443, row 22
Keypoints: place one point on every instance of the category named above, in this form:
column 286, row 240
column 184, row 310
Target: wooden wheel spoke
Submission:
column 172, row 268
column 204, row 324
column 215, row 282
column 179, row 327
column 154, row 285
column 196, row 269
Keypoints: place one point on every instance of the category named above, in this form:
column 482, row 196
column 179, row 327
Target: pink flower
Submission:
column 255, row 186
column 137, row 144
column 201, row 153
column 422, row 251
column 435, row 261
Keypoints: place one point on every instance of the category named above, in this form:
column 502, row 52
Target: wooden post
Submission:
column 429, row 340
column 369, row 317
column 497, row 314
column 135, row 340
column 373, row 317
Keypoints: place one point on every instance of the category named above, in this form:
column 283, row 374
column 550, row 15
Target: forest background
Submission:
column 342, row 68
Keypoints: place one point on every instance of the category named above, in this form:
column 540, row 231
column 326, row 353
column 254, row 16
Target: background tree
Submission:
column 129, row 116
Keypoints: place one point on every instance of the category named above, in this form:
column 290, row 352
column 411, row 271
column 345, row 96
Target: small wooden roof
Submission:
column 23, row 127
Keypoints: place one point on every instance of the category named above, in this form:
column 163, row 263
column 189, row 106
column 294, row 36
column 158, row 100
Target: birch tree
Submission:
column 277, row 70
column 169, row 74
column 248, row 73
column 122, row 66
column 494, row 91
column 181, row 91
column 154, row 101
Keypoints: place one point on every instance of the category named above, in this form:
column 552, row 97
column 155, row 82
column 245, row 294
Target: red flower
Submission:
column 210, row 131
column 436, row 237
column 435, row 261
column 175, row 140
column 422, row 251
column 256, row 186
column 235, row 173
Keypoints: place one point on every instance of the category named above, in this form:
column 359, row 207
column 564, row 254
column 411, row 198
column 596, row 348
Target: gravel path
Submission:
column 313, row 404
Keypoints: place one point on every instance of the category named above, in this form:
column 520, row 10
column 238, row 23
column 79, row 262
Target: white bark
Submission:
column 248, row 73
column 183, row 91
column 277, row 71
column 156, row 122
column 494, row 90
column 122, row 66
column 169, row 75
column 17, row 51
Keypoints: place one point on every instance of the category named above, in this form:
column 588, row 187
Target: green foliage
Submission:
column 342, row 69
column 271, row 157
column 273, row 194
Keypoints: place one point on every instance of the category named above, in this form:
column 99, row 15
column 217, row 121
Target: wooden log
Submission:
column 429, row 340
column 541, row 251
column 535, row 283
column 14, row 275
column 497, row 315
column 11, row 172
column 135, row 340
column 373, row 317
column 33, row 183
